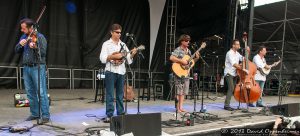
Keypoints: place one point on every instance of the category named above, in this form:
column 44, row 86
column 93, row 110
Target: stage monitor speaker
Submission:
column 287, row 110
column 148, row 124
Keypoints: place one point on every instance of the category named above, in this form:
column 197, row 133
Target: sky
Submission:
column 263, row 2
column 258, row 2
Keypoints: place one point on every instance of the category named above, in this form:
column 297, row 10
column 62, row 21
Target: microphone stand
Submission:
column 210, row 82
column 132, row 38
column 38, row 56
column 38, row 59
column 127, row 82
column 202, row 110
column 205, row 65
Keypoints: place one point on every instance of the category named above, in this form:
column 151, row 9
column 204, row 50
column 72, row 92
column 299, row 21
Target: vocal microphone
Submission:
column 129, row 35
column 193, row 45
column 218, row 37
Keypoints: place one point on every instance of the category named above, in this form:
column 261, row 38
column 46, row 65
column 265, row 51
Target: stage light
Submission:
column 70, row 6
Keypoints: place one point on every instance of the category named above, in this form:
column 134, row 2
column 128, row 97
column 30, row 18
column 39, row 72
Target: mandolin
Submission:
column 124, row 53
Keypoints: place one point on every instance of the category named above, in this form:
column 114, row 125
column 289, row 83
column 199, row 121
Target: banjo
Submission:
column 264, row 71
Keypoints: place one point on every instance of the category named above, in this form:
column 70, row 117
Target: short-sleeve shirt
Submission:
column 260, row 63
column 232, row 57
column 180, row 53
column 182, row 84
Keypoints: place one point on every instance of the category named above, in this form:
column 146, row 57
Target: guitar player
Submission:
column 182, row 83
column 260, row 61
column 111, row 53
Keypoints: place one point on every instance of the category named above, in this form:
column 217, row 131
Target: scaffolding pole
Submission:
column 282, row 47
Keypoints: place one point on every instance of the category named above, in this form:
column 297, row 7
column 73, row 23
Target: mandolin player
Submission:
column 112, row 54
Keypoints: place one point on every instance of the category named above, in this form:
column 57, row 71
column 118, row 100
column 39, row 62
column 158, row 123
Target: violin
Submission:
column 32, row 39
column 247, row 90
column 32, row 36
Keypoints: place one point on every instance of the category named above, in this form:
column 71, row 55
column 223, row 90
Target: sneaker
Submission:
column 45, row 120
column 251, row 105
column 106, row 120
column 31, row 118
column 229, row 108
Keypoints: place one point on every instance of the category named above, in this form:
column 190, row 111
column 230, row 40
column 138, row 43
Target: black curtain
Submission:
column 74, row 29
column 197, row 18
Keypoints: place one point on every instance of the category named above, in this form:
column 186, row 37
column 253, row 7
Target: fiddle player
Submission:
column 31, row 58
column 231, row 64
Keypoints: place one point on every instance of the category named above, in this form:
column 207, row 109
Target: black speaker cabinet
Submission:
column 287, row 110
column 148, row 124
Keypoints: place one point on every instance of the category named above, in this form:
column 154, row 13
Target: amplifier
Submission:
column 148, row 124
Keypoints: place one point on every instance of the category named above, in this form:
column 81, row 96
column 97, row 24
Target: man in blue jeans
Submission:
column 260, row 61
column 34, row 53
column 113, row 53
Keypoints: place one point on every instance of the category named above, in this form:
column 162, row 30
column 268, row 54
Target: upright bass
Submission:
column 247, row 90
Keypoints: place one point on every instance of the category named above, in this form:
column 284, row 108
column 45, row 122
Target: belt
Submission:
column 30, row 65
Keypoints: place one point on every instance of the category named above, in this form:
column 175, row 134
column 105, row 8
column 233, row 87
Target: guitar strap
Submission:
column 122, row 47
column 188, row 52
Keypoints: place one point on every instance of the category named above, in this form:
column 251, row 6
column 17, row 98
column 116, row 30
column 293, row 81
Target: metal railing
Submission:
column 92, row 79
column 12, row 77
column 59, row 78
column 21, row 77
column 156, row 80
column 71, row 76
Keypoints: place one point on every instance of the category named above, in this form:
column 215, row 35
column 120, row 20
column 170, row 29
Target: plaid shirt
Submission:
column 30, row 55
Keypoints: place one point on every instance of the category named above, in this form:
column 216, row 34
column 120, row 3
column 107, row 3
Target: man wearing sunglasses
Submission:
column 182, row 84
column 111, row 55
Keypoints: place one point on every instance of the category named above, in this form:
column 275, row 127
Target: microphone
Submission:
column 218, row 37
column 193, row 45
column 129, row 35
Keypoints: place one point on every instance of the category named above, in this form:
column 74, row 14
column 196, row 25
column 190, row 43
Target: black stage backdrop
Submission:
column 199, row 19
column 74, row 29
column 76, row 32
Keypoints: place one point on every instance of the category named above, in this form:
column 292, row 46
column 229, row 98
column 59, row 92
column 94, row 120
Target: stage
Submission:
column 75, row 110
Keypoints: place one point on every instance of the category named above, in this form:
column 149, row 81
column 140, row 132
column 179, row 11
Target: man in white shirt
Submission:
column 260, row 61
column 231, row 64
column 113, row 53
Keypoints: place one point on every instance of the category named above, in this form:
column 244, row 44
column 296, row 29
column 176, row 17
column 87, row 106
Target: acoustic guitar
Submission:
column 184, row 70
column 129, row 92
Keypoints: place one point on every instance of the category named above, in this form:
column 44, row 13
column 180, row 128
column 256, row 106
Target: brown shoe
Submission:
column 45, row 120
